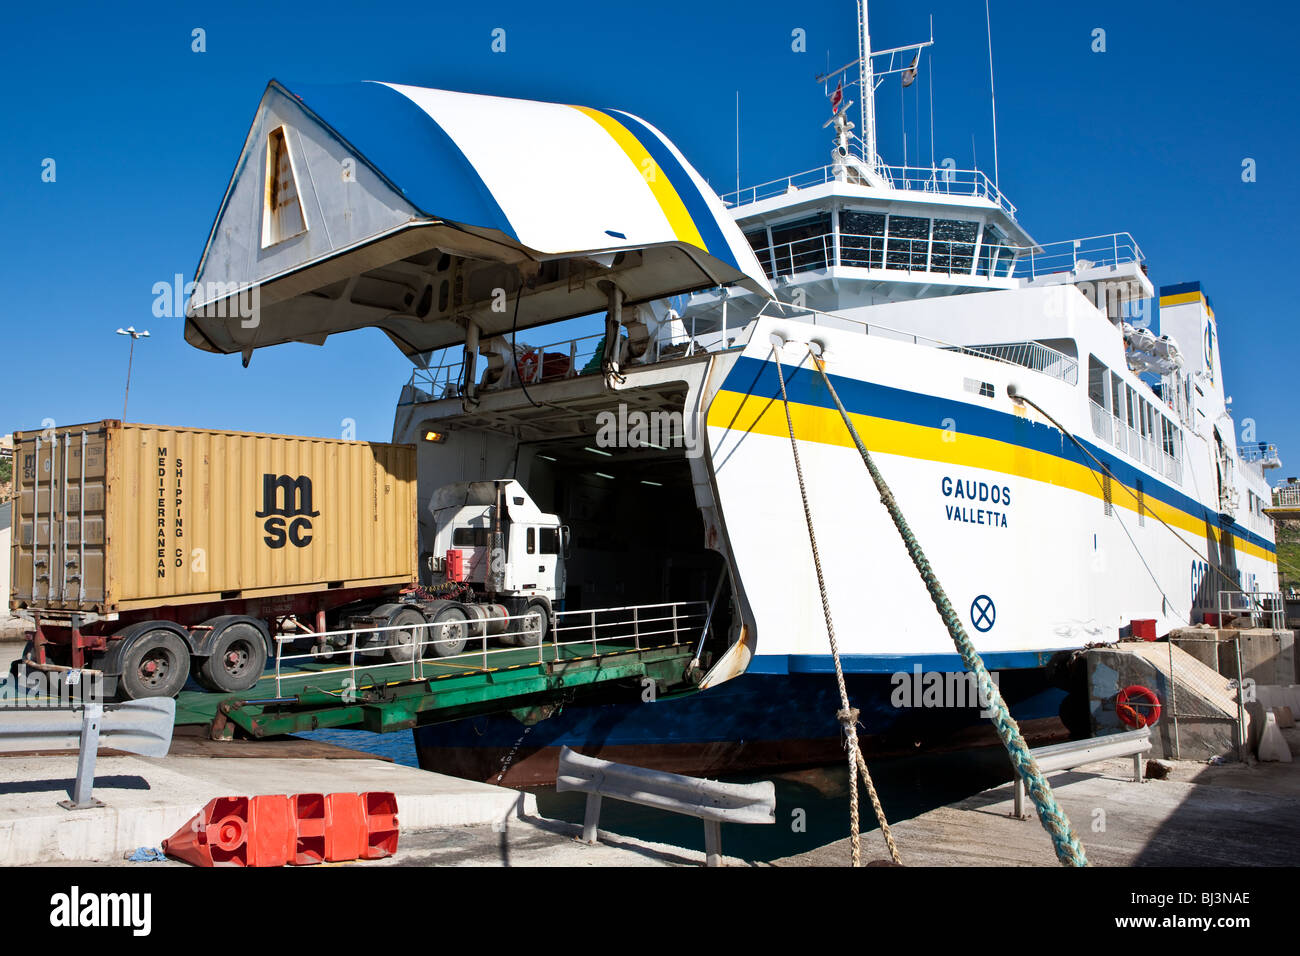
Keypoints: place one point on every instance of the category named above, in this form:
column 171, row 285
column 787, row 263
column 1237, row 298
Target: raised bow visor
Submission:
column 422, row 212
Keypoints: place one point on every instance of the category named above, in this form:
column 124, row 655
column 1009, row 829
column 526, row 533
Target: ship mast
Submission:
column 870, row 167
column 866, row 90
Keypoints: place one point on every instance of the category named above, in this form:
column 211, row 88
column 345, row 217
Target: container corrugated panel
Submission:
column 184, row 515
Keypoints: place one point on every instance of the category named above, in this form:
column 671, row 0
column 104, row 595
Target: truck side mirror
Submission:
column 564, row 540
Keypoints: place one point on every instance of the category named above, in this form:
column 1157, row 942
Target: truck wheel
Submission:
column 414, row 634
column 449, row 632
column 155, row 664
column 236, row 660
column 534, row 632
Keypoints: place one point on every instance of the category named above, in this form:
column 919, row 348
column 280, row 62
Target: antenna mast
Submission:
column 867, row 88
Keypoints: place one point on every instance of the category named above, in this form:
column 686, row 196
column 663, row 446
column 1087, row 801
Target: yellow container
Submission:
column 185, row 515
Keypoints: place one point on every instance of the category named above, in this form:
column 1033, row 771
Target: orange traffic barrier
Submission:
column 309, row 817
column 236, row 831
column 345, row 827
column 277, row 830
column 380, row 808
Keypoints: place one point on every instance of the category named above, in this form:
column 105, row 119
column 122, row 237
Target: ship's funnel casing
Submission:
column 1187, row 317
column 419, row 211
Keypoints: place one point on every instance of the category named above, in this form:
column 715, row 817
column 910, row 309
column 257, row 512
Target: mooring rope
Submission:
column 1068, row 849
column 847, row 716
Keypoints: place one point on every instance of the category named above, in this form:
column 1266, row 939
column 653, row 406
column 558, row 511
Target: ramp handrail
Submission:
column 637, row 625
column 711, row 801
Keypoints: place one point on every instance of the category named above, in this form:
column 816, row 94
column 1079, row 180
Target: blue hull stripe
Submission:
column 891, row 663
column 758, row 377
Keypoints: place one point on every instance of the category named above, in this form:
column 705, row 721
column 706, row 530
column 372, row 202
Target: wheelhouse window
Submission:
column 758, row 241
column 909, row 243
column 996, row 256
column 953, row 249
column 862, row 239
column 802, row 245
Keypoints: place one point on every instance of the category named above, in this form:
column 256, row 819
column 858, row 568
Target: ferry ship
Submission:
column 1055, row 428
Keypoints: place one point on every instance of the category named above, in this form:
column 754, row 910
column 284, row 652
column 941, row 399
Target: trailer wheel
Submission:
column 402, row 644
column 449, row 632
column 154, row 664
column 535, row 633
column 236, row 659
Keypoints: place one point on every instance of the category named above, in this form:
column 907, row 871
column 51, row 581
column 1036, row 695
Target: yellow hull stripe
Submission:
column 674, row 210
column 739, row 412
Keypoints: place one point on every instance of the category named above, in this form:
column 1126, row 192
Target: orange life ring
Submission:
column 1141, row 696
column 527, row 365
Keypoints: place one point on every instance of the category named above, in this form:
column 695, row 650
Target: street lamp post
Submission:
column 130, row 330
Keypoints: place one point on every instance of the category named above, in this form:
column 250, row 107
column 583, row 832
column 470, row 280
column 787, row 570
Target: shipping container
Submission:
column 113, row 517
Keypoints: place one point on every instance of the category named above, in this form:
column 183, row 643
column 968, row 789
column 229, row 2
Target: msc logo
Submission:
column 284, row 498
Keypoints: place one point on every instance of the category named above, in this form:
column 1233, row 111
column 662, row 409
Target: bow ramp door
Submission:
column 439, row 217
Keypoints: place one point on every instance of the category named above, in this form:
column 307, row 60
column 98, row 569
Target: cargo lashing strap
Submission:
column 1067, row 846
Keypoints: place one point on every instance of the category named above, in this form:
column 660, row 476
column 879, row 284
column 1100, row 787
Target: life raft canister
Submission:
column 1130, row 699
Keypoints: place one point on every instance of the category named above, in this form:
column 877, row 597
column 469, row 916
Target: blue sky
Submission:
column 1147, row 137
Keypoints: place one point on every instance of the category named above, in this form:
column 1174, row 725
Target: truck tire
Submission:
column 533, row 634
column 236, row 659
column 401, row 645
column 156, row 663
column 449, row 632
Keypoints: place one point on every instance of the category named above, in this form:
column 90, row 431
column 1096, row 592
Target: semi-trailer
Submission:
column 152, row 554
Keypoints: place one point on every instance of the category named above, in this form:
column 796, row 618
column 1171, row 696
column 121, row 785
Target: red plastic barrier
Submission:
column 345, row 827
column 380, row 808
column 236, row 831
column 1144, row 629
column 277, row 830
column 309, row 825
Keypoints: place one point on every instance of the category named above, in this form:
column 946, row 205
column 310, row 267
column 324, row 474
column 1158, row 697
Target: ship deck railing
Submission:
column 1034, row 356
column 946, row 256
column 570, row 358
column 893, row 253
column 1287, row 496
column 939, row 181
column 1151, row 450
column 1265, row 453
column 1075, row 255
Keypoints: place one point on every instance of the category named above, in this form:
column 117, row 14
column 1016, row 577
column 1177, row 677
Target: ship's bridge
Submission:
column 845, row 241
column 832, row 240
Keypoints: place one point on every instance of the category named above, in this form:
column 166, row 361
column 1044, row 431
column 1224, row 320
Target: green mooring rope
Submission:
column 1068, row 848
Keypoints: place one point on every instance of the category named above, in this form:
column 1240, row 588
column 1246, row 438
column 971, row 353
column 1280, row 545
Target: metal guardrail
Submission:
column 712, row 802
column 1264, row 608
column 1077, row 753
column 138, row 726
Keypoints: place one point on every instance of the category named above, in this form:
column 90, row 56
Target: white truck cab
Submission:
column 527, row 562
